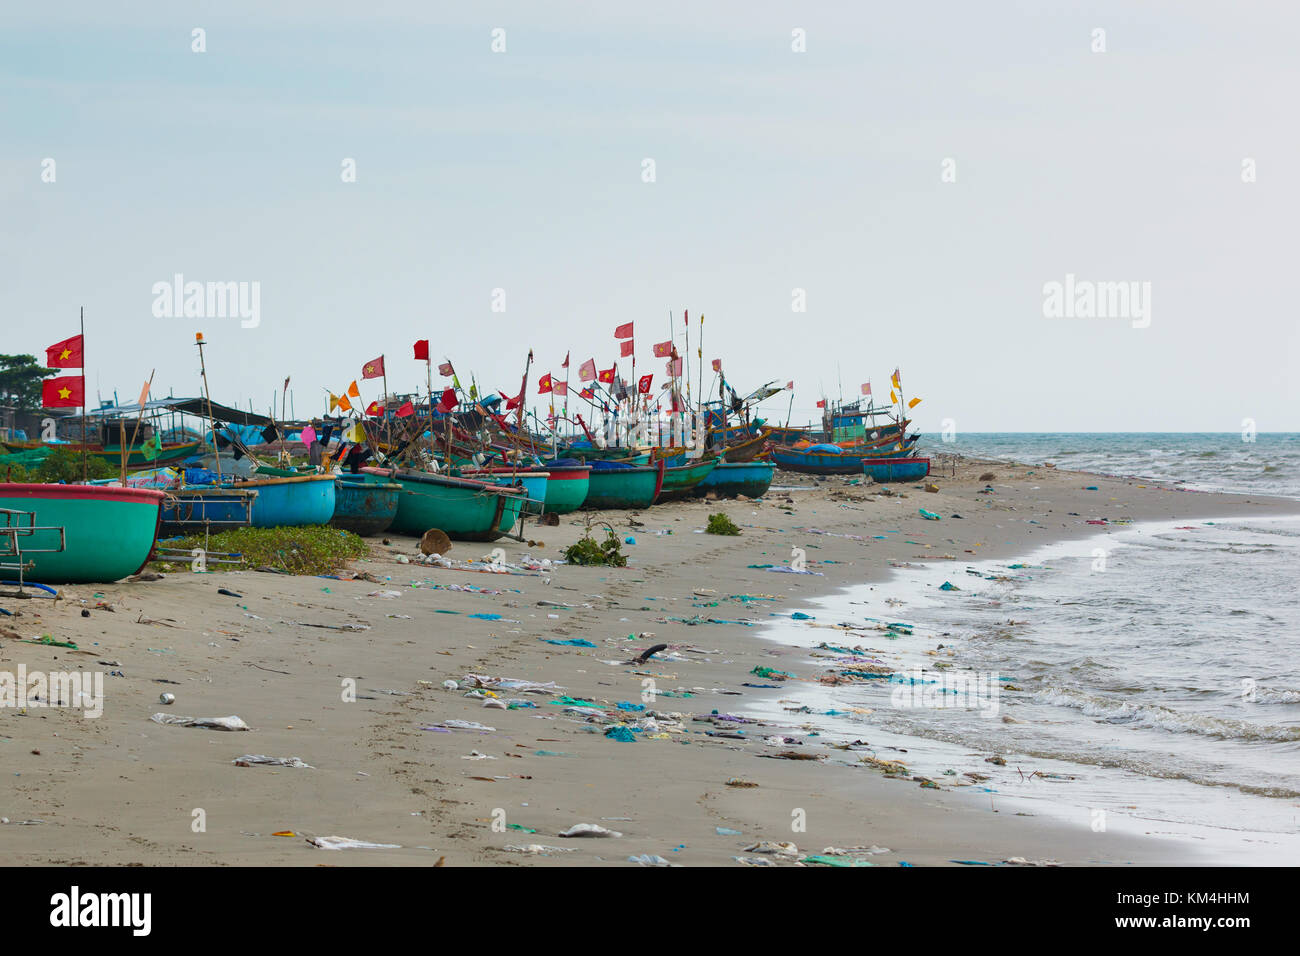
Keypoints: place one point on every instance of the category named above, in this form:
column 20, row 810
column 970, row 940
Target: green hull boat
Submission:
column 680, row 481
column 624, row 488
column 465, row 510
column 77, row 533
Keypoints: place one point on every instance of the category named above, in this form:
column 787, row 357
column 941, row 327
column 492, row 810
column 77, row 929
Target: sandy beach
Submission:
column 393, row 767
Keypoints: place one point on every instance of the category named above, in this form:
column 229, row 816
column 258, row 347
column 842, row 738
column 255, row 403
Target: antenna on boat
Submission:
column 212, row 425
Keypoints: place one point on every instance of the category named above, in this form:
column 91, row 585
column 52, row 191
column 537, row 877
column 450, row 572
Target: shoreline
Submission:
column 123, row 790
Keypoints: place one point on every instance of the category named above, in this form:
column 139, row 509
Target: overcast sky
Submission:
column 775, row 170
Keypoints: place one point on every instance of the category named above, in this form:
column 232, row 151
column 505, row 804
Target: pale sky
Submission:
column 775, row 170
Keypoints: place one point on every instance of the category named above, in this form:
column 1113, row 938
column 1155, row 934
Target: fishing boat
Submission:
column 567, row 488
column 732, row 479
column 286, row 502
column 112, row 453
column 365, row 504
column 618, row 485
column 72, row 534
column 745, row 449
column 465, row 510
column 896, row 469
column 533, row 483
column 206, row 509
column 834, row 460
column 680, row 480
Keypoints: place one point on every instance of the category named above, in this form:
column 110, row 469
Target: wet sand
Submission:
column 122, row 789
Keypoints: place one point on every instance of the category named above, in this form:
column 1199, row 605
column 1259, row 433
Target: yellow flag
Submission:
column 894, row 377
column 892, row 396
column 354, row 433
column 334, row 402
column 913, row 403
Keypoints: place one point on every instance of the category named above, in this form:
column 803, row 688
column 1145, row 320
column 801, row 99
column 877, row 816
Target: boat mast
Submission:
column 207, row 394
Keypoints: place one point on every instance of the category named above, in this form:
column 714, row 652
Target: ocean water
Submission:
column 1268, row 463
column 1147, row 678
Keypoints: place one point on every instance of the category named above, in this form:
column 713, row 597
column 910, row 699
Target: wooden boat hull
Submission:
column 624, row 488
column 746, row 450
column 896, row 469
column 365, row 504
column 465, row 510
column 109, row 531
column 191, row 510
column 290, row 502
column 680, row 481
column 734, row 479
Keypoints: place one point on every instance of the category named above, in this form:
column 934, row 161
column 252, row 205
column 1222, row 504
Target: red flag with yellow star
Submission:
column 67, row 391
column 65, row 354
column 373, row 369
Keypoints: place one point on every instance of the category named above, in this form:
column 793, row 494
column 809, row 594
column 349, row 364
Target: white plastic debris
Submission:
column 773, row 849
column 450, row 685
column 537, row 848
column 464, row 725
column 248, row 760
column 589, row 830
column 212, row 723
column 650, row 859
column 347, row 843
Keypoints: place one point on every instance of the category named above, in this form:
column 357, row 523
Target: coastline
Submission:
column 121, row 789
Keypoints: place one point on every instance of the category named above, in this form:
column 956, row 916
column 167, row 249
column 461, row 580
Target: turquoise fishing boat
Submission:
column 896, row 469
column 465, row 510
column 680, row 480
column 533, row 482
column 286, row 502
column 734, row 479
column 365, row 504
column 73, row 534
column 616, row 485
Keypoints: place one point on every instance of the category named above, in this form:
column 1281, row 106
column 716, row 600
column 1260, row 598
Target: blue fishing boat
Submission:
column 285, row 502
column 203, row 509
column 365, row 504
column 836, row 460
column 896, row 469
column 532, row 482
column 734, row 479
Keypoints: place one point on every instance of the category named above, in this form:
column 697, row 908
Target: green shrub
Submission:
column 721, row 524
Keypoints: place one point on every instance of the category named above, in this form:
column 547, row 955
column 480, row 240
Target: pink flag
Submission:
column 866, row 388
column 626, row 348
column 587, row 371
column 308, row 436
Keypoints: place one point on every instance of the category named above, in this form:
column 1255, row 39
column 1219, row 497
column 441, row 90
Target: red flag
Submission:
column 587, row 371
column 65, row 354
column 626, row 348
column 63, row 392
column 643, row 386
column 663, row 349
column 511, row 403
column 623, row 331
column 566, row 360
column 446, row 369
column 717, row 365
column 374, row 409
column 448, row 400
column 544, row 384
column 561, row 388
column 372, row 369
column 406, row 410
column 789, row 386
column 588, row 393
column 674, row 368
column 422, row 350
column 822, row 403
column 606, row 376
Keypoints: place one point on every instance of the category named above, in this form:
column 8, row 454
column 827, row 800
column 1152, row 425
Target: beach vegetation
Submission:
column 721, row 524
column 312, row 549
